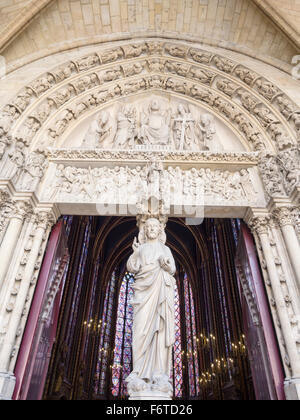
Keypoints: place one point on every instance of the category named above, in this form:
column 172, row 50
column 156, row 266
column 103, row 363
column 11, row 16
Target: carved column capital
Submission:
column 284, row 216
column 44, row 219
column 259, row 224
column 4, row 197
column 20, row 209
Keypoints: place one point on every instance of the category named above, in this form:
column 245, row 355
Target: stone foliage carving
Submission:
column 245, row 158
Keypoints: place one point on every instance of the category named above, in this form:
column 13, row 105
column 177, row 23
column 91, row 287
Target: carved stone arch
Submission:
column 164, row 94
column 32, row 96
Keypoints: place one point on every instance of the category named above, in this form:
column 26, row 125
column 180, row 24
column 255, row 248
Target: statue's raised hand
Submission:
column 135, row 245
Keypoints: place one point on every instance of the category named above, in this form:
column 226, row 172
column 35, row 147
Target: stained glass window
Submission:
column 122, row 362
column 105, row 338
column 177, row 351
column 78, row 283
column 191, row 350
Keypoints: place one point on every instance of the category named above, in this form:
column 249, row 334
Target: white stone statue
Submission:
column 98, row 133
column 208, row 129
column 155, row 125
column 153, row 266
column 184, row 130
column 126, row 128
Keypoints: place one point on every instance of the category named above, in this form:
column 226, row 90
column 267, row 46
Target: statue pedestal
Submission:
column 150, row 395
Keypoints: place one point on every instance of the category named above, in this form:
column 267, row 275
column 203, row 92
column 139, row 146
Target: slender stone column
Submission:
column 19, row 212
column 260, row 226
column 42, row 225
column 285, row 220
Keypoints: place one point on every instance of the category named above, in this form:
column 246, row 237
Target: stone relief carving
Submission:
column 33, row 170
column 204, row 74
column 155, row 125
column 289, row 164
column 126, row 127
column 184, row 130
column 5, row 141
column 14, row 162
column 98, row 132
column 208, row 130
column 136, row 185
column 263, row 87
column 271, row 175
column 245, row 158
column 177, row 126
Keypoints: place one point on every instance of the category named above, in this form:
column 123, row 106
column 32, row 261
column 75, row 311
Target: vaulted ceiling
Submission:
column 30, row 29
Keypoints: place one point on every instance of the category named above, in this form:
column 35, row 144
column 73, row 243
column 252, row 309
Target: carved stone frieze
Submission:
column 235, row 158
column 122, row 184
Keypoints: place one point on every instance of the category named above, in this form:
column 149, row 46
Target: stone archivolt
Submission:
column 272, row 109
column 47, row 110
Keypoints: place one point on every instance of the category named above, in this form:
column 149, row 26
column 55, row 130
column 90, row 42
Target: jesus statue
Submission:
column 153, row 266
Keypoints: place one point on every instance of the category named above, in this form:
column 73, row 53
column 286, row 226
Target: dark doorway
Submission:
column 91, row 356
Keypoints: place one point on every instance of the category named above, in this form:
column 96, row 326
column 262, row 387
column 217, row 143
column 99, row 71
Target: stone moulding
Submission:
column 245, row 159
column 268, row 105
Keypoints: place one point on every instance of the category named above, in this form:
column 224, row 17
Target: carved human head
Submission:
column 155, row 105
column 152, row 228
column 206, row 119
column 181, row 109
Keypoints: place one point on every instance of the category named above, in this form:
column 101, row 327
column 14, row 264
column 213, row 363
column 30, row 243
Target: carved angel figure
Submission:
column 208, row 129
column 184, row 130
column 98, row 132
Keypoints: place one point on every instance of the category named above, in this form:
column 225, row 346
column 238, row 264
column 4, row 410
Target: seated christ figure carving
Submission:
column 155, row 126
column 153, row 265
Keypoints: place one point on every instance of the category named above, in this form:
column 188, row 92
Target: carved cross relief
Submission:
column 154, row 123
